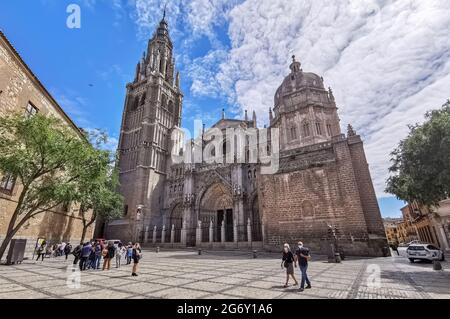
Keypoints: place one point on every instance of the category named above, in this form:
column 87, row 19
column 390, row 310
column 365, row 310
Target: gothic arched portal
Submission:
column 216, row 205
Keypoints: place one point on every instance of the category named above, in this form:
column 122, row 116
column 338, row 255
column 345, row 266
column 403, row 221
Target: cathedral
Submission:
column 321, row 181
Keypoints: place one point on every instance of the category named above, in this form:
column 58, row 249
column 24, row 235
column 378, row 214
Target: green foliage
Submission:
column 42, row 153
column 55, row 165
column 421, row 162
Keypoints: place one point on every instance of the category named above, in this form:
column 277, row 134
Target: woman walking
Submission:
column 288, row 263
column 137, row 254
column 119, row 253
column 41, row 251
column 108, row 254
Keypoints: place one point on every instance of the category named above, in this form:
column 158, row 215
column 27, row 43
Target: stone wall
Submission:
column 299, row 204
column 18, row 87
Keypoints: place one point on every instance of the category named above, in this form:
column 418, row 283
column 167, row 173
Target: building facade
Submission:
column 395, row 231
column 21, row 91
column 322, row 180
column 429, row 224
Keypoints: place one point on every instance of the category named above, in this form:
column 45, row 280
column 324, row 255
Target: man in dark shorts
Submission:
column 302, row 256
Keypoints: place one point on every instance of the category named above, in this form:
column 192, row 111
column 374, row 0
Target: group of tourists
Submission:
column 290, row 260
column 91, row 254
column 56, row 250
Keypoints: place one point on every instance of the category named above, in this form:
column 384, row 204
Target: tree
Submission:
column 49, row 160
column 421, row 162
column 97, row 194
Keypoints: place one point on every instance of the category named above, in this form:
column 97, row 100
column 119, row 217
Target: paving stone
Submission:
column 227, row 274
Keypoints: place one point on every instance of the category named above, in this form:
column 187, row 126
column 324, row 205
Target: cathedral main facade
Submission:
column 321, row 181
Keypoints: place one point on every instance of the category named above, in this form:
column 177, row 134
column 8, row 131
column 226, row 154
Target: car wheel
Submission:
column 411, row 260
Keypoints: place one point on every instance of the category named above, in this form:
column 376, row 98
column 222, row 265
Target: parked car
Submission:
column 424, row 252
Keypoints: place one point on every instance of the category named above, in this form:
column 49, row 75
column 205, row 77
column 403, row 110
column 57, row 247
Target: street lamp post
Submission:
column 139, row 216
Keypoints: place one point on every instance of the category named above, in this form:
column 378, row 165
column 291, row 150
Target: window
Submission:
column 318, row 129
column 293, row 133
column 7, row 183
column 143, row 98
column 306, row 131
column 329, row 131
column 31, row 110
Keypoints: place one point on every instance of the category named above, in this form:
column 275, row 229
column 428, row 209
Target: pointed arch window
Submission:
column 329, row 130
column 293, row 133
column 318, row 128
column 143, row 98
column 306, row 130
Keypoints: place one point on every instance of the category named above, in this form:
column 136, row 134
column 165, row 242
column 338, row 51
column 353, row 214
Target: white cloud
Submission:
column 387, row 60
column 194, row 17
column 203, row 74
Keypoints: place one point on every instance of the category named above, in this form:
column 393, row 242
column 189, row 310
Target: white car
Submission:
column 424, row 252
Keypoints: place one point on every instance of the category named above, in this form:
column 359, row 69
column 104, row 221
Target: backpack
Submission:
column 77, row 251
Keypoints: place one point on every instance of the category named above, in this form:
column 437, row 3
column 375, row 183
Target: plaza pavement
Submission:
column 186, row 275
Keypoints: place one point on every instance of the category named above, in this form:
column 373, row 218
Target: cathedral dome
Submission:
column 297, row 81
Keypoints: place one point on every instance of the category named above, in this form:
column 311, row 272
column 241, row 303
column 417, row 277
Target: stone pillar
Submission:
column 172, row 234
column 154, row 235
column 198, row 234
column 163, row 234
column 241, row 219
column 183, row 234
column 235, row 232
column 146, row 235
column 211, row 232
column 222, row 232
column 249, row 231
column 263, row 232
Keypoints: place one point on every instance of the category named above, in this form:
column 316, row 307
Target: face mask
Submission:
column 300, row 246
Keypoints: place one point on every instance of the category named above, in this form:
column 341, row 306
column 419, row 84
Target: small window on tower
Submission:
column 306, row 131
column 318, row 129
column 293, row 133
column 329, row 131
column 144, row 96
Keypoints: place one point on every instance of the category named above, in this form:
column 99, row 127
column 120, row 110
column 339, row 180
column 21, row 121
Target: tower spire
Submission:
column 164, row 13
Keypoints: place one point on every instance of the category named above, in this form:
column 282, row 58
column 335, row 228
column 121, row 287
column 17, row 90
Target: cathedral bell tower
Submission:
column 152, row 111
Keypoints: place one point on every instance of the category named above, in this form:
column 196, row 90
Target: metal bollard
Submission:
column 199, row 251
column 255, row 254
column 157, row 249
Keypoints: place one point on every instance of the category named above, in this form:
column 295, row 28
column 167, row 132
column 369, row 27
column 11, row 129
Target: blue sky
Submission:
column 387, row 61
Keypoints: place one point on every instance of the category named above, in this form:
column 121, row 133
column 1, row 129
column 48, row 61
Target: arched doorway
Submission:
column 216, row 205
column 256, row 221
column 176, row 219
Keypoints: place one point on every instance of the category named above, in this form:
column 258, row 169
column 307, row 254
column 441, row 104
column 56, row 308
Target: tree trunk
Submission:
column 10, row 235
column 5, row 243
column 83, row 234
column 11, row 229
